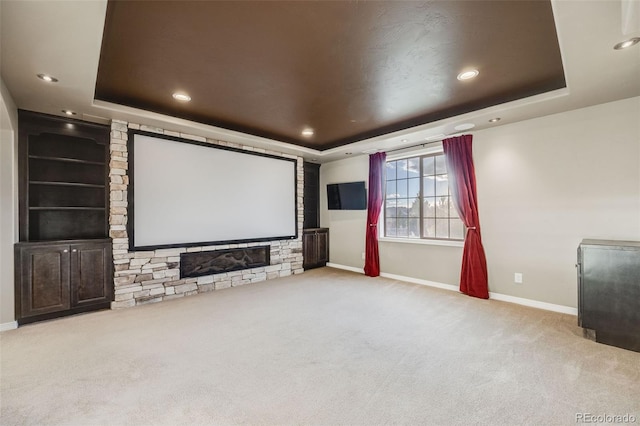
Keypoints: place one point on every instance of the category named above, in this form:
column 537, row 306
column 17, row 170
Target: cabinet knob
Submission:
column 74, row 250
column 65, row 251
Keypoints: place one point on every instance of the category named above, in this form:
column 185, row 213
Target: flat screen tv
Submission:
column 347, row 196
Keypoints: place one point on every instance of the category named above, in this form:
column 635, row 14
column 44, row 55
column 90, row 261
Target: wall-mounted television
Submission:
column 347, row 196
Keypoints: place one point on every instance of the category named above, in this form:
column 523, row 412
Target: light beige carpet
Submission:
column 326, row 347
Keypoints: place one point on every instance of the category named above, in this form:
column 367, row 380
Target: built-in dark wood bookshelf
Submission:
column 64, row 168
column 311, row 195
column 315, row 240
column 63, row 260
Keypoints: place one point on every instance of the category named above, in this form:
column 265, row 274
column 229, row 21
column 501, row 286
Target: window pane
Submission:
column 441, row 165
column 414, row 187
column 413, row 167
column 429, row 207
column 442, row 185
column 457, row 229
column 442, row 207
column 414, row 228
column 390, row 227
column 427, row 166
column 403, row 207
column 452, row 209
column 390, row 208
column 401, row 188
column 402, row 228
column 401, row 169
column 391, row 189
column 391, row 170
column 429, row 228
column 442, row 228
column 414, row 207
column 429, row 186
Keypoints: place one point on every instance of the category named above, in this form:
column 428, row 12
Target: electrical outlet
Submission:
column 517, row 278
column 362, row 255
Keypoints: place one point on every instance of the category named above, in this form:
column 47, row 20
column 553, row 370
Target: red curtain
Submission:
column 462, row 181
column 374, row 205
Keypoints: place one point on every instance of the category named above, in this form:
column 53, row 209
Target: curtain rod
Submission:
column 425, row 144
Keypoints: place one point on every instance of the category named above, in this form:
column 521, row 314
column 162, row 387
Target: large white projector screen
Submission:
column 185, row 193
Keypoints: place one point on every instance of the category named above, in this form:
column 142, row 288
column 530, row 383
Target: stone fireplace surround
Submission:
column 153, row 276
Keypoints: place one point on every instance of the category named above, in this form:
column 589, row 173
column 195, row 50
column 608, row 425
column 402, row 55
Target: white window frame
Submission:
column 435, row 149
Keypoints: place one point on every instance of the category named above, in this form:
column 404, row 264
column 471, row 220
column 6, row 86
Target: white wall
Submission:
column 543, row 186
column 347, row 233
column 8, row 202
column 546, row 184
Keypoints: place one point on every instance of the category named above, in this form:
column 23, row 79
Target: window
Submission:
column 418, row 201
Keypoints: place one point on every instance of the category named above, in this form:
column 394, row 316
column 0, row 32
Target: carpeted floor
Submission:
column 322, row 348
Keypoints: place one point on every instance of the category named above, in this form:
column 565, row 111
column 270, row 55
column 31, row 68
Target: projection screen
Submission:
column 186, row 193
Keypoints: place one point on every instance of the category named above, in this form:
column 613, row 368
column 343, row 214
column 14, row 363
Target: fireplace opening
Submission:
column 220, row 261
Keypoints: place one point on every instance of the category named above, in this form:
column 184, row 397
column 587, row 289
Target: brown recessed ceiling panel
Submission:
column 350, row 70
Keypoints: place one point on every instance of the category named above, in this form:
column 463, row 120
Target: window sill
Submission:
column 422, row 242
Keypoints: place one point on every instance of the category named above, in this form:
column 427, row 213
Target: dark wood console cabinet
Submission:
column 609, row 291
column 315, row 247
column 63, row 262
column 62, row 277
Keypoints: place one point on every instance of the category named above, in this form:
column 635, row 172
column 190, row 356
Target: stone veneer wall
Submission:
column 153, row 276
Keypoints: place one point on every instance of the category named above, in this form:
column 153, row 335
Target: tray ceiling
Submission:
column 349, row 70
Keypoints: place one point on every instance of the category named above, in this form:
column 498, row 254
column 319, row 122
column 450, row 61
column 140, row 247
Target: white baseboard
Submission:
column 419, row 281
column 9, row 326
column 495, row 296
column 346, row 268
column 534, row 303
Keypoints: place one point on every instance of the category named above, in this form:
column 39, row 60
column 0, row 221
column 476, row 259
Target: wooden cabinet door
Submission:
column 44, row 279
column 90, row 273
column 309, row 249
column 322, row 244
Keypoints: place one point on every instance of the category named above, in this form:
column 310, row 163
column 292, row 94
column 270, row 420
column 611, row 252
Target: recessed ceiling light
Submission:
column 307, row 133
column 467, row 75
column 48, row 78
column 404, row 140
column 68, row 112
column 627, row 43
column 182, row 97
column 465, row 126
column 494, row 120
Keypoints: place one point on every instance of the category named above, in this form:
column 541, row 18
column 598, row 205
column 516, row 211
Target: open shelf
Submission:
column 53, row 183
column 59, row 171
column 67, row 160
column 66, row 208
column 59, row 145
column 65, row 224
